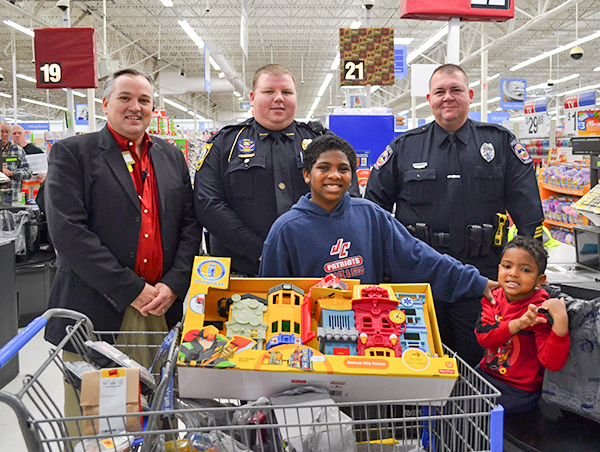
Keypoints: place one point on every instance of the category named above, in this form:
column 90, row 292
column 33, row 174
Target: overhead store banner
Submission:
column 467, row 10
column 573, row 105
column 536, row 119
column 244, row 27
column 367, row 56
column 513, row 93
column 66, row 58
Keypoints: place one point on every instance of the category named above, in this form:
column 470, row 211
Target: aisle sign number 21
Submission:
column 50, row 73
column 354, row 70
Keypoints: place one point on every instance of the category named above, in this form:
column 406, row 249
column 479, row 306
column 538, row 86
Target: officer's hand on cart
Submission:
column 146, row 296
column 487, row 292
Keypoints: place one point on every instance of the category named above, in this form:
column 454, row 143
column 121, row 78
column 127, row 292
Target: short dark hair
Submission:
column 271, row 69
column 326, row 143
column 108, row 85
column 449, row 68
column 533, row 247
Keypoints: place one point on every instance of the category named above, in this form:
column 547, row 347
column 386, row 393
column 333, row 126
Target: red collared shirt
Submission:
column 149, row 257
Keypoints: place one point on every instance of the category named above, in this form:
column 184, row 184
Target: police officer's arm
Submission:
column 383, row 184
column 521, row 195
column 213, row 210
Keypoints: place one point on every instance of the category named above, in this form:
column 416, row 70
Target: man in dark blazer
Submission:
column 121, row 216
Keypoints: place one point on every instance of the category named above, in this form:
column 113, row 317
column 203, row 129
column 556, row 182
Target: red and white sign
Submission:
column 467, row 10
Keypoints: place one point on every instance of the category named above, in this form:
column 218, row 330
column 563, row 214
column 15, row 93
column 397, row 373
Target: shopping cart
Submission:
column 467, row 420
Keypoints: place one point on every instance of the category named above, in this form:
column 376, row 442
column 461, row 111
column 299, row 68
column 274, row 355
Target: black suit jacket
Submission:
column 94, row 219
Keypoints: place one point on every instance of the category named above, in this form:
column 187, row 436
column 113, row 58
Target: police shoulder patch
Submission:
column 384, row 157
column 203, row 153
column 521, row 152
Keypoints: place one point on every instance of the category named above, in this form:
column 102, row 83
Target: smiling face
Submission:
column 129, row 106
column 518, row 274
column 449, row 98
column 274, row 101
column 329, row 178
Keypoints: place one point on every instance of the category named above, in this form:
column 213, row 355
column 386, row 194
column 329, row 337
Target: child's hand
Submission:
column 558, row 310
column 531, row 317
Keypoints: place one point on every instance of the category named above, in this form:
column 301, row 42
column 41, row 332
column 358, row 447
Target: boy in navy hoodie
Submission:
column 327, row 231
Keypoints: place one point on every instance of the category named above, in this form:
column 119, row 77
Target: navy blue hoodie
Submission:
column 360, row 240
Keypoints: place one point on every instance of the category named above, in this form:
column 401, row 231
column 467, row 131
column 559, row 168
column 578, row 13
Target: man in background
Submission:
column 18, row 137
column 15, row 165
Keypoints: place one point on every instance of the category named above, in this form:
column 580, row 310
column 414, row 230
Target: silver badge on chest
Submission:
column 487, row 151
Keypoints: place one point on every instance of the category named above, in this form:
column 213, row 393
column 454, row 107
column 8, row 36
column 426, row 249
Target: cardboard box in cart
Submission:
column 248, row 373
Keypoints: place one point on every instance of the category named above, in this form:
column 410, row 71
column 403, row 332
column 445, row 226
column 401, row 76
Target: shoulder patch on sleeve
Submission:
column 203, row 154
column 384, row 157
column 520, row 151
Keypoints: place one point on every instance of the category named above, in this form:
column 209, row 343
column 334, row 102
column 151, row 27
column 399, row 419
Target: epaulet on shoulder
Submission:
column 236, row 126
column 490, row 124
column 415, row 131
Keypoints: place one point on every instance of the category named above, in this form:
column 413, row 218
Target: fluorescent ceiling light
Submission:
column 403, row 41
column 77, row 93
column 478, row 104
column 424, row 104
column 221, row 74
column 355, row 24
column 236, row 93
column 21, row 28
column 191, row 33
column 556, row 82
column 478, row 82
column 214, row 64
column 309, row 115
column 596, row 69
column 325, row 84
column 97, row 100
column 202, row 118
column 167, row 3
column 43, row 104
column 26, row 77
column 545, row 55
column 580, row 90
column 336, row 62
column 375, row 88
column 428, row 44
column 315, row 103
column 8, row 96
column 175, row 104
column 493, row 99
column 103, row 118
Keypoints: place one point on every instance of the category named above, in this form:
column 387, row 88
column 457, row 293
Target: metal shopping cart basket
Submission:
column 467, row 420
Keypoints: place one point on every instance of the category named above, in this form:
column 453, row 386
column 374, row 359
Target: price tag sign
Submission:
column 573, row 105
column 367, row 56
column 536, row 120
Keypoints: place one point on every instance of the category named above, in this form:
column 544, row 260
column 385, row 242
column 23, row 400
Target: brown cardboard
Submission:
column 90, row 399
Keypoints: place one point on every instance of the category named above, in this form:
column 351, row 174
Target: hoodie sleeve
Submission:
column 412, row 260
column 275, row 259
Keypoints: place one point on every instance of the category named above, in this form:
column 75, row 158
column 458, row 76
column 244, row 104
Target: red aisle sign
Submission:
column 467, row 10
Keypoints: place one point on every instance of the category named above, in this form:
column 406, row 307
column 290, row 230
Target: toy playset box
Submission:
column 250, row 337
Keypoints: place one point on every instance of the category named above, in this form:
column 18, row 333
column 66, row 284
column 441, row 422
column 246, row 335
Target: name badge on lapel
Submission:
column 128, row 160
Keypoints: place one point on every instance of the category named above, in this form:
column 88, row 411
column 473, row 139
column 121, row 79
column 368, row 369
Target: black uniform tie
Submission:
column 456, row 198
column 281, row 173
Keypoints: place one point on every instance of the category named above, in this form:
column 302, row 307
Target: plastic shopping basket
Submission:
column 467, row 420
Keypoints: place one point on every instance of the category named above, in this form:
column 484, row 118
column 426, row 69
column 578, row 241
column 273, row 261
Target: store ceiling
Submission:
column 300, row 34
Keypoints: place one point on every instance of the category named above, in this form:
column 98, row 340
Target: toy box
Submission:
column 250, row 337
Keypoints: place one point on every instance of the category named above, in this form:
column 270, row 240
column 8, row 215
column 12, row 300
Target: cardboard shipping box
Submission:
column 213, row 363
column 111, row 393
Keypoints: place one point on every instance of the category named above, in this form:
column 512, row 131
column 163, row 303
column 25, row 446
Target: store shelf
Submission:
column 561, row 224
column 566, row 191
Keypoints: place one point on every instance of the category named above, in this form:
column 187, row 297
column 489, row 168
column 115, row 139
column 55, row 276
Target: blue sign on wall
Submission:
column 29, row 126
column 400, row 70
column 498, row 117
column 513, row 93
column 475, row 115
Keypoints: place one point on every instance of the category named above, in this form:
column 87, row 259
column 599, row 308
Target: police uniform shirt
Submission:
column 496, row 172
column 246, row 177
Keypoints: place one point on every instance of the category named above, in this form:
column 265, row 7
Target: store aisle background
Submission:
column 30, row 359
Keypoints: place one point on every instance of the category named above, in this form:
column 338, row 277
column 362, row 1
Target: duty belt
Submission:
column 479, row 238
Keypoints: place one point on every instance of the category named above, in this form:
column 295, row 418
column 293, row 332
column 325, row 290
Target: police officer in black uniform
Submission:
column 250, row 173
column 452, row 182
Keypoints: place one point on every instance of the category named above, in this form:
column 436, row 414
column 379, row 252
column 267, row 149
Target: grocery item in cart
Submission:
column 113, row 444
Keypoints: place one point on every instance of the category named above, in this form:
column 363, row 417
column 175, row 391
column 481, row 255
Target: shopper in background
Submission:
column 448, row 181
column 18, row 137
column 249, row 174
column 15, row 164
column 519, row 340
column 120, row 213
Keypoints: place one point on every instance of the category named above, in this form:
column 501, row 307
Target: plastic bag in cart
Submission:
column 12, row 226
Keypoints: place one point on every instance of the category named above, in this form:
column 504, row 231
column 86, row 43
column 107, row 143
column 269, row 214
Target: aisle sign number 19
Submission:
column 354, row 70
column 50, row 73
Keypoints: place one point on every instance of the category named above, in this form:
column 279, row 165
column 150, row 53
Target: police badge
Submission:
column 487, row 151
column 305, row 143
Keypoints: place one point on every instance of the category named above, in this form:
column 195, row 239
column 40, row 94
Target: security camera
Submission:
column 182, row 72
column 63, row 5
column 550, row 82
column 576, row 52
column 1, row 77
column 368, row 4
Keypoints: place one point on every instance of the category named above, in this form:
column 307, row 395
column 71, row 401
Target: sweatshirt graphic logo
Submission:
column 340, row 248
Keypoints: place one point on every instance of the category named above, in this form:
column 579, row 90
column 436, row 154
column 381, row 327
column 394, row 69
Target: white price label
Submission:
column 571, row 120
column 536, row 126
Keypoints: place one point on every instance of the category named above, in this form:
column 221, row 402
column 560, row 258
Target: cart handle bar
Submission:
column 36, row 325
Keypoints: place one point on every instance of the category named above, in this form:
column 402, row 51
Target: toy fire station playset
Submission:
column 250, row 337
